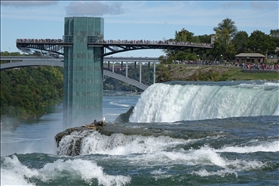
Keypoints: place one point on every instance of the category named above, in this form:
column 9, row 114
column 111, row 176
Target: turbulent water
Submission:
column 223, row 133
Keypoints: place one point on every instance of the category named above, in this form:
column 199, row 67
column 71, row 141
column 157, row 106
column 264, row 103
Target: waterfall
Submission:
column 169, row 102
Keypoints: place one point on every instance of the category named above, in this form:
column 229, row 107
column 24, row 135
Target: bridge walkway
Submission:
column 112, row 46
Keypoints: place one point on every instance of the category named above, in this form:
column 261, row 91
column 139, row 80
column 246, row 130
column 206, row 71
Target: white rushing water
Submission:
column 168, row 103
column 51, row 171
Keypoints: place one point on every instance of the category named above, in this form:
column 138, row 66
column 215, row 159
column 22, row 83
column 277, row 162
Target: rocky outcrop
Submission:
column 74, row 147
column 124, row 118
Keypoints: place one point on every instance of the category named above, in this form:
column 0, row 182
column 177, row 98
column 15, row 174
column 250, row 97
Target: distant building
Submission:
column 213, row 38
column 249, row 58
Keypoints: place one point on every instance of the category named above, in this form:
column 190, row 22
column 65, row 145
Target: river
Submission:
column 180, row 133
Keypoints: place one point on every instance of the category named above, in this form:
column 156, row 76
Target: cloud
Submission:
column 228, row 5
column 27, row 3
column 263, row 5
column 94, row 8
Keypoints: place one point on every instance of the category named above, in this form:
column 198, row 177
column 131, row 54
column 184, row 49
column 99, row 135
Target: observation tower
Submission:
column 83, row 71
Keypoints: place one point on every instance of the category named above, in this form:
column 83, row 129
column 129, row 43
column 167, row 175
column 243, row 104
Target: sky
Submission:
column 133, row 20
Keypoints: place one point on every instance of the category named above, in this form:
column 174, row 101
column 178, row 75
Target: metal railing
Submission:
column 69, row 39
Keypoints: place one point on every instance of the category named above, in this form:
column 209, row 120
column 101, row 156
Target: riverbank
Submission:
column 172, row 72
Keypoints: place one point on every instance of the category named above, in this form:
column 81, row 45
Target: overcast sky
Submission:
column 156, row 20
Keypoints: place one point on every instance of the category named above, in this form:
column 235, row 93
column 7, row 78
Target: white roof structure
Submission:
column 242, row 55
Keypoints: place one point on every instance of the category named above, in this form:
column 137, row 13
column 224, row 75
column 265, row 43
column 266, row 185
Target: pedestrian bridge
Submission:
column 25, row 61
column 111, row 46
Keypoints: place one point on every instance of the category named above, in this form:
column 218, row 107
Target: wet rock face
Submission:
column 124, row 118
column 69, row 141
column 66, row 132
column 71, row 144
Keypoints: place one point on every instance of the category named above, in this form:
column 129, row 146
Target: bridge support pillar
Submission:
column 113, row 67
column 148, row 68
column 83, row 71
column 140, row 72
column 127, row 69
column 135, row 74
column 154, row 73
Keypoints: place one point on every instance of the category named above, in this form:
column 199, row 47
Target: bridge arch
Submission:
column 58, row 63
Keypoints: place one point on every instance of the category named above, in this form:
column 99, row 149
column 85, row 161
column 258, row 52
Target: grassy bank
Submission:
column 173, row 72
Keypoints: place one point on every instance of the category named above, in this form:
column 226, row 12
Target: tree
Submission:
column 184, row 36
column 261, row 43
column 225, row 31
column 227, row 24
column 274, row 34
column 223, row 49
column 204, row 38
column 240, row 41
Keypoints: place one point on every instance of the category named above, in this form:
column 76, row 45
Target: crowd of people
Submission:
column 152, row 42
column 39, row 40
column 118, row 42
column 246, row 66
column 257, row 66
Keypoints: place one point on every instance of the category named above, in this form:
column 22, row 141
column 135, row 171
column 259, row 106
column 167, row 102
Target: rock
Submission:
column 68, row 131
column 91, row 127
column 124, row 118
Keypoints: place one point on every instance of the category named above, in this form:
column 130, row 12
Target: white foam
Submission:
column 15, row 173
column 118, row 104
column 85, row 169
column 264, row 147
column 233, row 166
column 159, row 174
column 202, row 156
column 120, row 144
column 155, row 150
column 222, row 173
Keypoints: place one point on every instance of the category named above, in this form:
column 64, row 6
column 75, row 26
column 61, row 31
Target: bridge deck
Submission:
column 106, row 59
column 114, row 46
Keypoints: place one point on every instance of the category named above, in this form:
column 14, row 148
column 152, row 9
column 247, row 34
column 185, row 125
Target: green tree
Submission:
column 274, row 34
column 223, row 47
column 240, row 41
column 184, row 36
column 203, row 38
column 227, row 24
column 261, row 43
column 25, row 91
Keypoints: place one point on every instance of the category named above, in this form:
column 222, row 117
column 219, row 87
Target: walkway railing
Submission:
column 148, row 42
column 39, row 41
column 133, row 42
